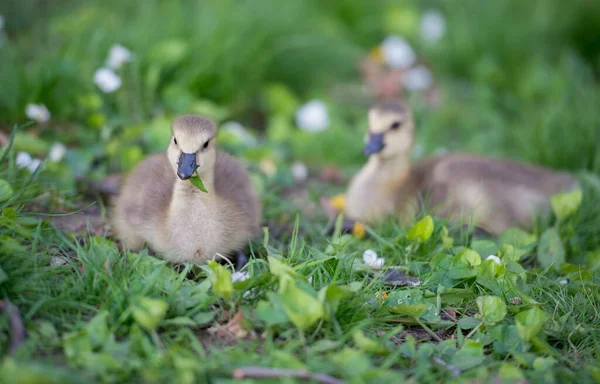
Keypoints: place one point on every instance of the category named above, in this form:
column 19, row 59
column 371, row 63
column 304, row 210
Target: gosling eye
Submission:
column 395, row 125
column 174, row 140
column 205, row 146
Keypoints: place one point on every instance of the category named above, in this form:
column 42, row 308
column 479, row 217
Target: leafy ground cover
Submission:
column 424, row 303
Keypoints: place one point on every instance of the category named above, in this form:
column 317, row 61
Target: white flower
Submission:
column 433, row 26
column 239, row 276
column 310, row 279
column 300, row 172
column 397, row 53
column 564, row 282
column 251, row 293
column 417, row 78
column 238, row 131
column 118, row 55
column 312, row 116
column 57, row 262
column 34, row 165
column 24, row 160
column 495, row 259
column 37, row 112
column 370, row 258
column 107, row 80
column 57, row 152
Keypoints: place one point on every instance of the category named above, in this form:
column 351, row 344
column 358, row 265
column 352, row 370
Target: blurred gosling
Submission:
column 491, row 193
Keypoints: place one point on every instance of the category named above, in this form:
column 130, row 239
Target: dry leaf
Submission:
column 78, row 223
column 233, row 328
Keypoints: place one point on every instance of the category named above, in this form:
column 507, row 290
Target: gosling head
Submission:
column 391, row 130
column 192, row 146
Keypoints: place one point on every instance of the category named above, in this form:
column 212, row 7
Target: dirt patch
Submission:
column 88, row 220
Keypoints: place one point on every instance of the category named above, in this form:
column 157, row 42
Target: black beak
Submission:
column 374, row 145
column 186, row 166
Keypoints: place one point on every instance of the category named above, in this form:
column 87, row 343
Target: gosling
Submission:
column 491, row 193
column 159, row 206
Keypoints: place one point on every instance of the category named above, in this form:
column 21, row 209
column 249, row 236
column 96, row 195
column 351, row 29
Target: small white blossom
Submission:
column 24, row 160
column 417, row 78
column 235, row 129
column 34, row 165
column 397, row 53
column 118, row 55
column 57, row 152
column 370, row 258
column 312, row 116
column 239, row 276
column 310, row 279
column 107, row 80
column 37, row 112
column 433, row 26
column 495, row 259
column 238, row 131
column 252, row 293
column 57, row 262
column 564, row 282
column 300, row 172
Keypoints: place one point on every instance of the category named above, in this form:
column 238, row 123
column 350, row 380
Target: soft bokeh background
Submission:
column 505, row 78
column 93, row 86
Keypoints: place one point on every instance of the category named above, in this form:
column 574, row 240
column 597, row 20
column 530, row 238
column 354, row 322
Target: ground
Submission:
column 509, row 79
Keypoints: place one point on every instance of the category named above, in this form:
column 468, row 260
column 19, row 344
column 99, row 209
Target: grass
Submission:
column 515, row 79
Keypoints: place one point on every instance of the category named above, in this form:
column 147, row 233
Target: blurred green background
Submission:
column 94, row 85
column 512, row 78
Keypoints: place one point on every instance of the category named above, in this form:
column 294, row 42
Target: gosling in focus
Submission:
column 491, row 193
column 159, row 205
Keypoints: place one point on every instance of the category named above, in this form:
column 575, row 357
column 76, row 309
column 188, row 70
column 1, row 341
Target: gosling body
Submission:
column 160, row 206
column 493, row 194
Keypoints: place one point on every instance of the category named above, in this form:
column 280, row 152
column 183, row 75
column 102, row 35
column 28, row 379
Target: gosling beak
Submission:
column 186, row 165
column 374, row 145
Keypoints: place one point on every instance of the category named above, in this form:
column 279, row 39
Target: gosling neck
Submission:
column 392, row 168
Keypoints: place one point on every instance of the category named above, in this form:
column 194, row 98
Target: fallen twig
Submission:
column 429, row 331
column 274, row 373
column 17, row 330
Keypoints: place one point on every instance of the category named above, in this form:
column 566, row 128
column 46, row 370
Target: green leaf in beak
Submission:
column 197, row 181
